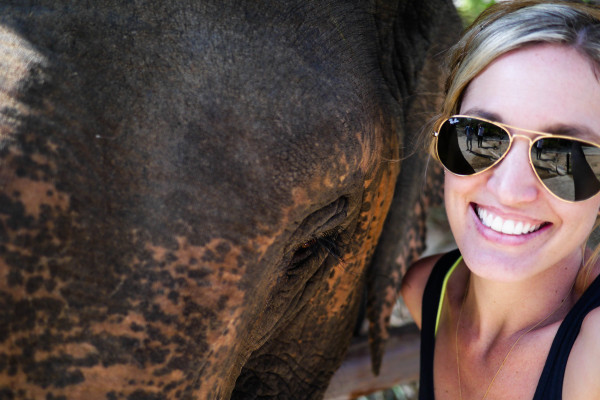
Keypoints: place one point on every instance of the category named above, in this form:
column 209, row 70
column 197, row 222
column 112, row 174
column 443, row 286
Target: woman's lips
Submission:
column 505, row 225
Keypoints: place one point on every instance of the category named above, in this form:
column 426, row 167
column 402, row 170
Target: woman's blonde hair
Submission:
column 511, row 25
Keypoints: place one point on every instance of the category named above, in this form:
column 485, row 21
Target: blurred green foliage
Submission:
column 470, row 9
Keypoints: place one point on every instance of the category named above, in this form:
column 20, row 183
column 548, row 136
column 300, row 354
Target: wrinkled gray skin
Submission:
column 191, row 193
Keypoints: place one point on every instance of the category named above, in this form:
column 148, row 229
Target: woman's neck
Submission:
column 502, row 309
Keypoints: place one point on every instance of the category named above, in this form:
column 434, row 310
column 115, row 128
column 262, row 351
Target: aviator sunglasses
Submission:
column 567, row 167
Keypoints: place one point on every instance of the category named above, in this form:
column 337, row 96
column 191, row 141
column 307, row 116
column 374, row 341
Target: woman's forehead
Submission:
column 548, row 88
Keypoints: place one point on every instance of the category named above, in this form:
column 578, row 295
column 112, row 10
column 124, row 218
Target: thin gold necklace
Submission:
column 511, row 347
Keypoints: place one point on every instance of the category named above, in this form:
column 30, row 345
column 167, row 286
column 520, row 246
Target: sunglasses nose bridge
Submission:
column 517, row 135
column 525, row 137
column 529, row 155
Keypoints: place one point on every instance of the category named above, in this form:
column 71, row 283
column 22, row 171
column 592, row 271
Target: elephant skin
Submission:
column 191, row 193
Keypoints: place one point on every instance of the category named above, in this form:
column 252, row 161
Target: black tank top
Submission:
column 551, row 381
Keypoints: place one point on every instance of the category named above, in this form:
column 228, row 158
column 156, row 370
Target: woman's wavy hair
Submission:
column 511, row 25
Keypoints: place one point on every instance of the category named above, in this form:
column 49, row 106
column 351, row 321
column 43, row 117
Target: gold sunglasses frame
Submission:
column 512, row 137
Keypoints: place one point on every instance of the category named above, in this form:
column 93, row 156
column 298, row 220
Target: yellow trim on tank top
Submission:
column 443, row 294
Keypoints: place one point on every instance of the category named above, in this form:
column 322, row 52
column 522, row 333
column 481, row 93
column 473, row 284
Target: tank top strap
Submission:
column 432, row 296
column 550, row 385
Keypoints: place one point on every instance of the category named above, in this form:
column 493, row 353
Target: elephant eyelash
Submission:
column 329, row 242
column 325, row 237
column 326, row 240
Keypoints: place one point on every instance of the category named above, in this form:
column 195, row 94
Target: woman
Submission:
column 514, row 315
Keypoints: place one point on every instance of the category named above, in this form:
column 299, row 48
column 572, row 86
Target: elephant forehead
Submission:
column 227, row 106
column 262, row 109
column 216, row 130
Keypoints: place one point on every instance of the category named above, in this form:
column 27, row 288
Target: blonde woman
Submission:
column 513, row 313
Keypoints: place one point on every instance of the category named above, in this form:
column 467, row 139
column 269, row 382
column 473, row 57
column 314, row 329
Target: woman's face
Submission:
column 545, row 88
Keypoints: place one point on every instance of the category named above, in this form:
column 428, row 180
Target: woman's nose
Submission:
column 513, row 181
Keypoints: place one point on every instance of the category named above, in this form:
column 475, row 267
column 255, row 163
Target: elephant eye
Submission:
column 319, row 236
column 324, row 244
column 309, row 244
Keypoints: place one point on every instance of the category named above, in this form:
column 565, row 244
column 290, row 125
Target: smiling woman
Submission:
column 512, row 312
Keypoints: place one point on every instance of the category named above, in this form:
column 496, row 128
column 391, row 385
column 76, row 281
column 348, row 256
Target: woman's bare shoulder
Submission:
column 413, row 285
column 583, row 369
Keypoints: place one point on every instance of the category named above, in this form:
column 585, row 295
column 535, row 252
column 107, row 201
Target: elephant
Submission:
column 194, row 195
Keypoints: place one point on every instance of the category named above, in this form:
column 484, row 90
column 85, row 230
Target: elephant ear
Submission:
column 413, row 35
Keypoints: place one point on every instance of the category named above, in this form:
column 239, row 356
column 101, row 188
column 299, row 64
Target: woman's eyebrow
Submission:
column 577, row 131
column 480, row 112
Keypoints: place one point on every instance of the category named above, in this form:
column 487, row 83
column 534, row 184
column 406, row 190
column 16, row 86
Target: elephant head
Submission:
column 191, row 193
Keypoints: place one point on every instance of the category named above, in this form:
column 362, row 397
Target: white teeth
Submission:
column 497, row 224
column 507, row 226
column 489, row 218
column 518, row 228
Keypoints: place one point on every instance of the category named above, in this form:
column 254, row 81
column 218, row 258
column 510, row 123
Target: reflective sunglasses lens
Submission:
column 568, row 168
column 466, row 146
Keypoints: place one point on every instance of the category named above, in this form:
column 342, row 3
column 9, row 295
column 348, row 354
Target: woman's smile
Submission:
column 497, row 234
column 508, row 226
